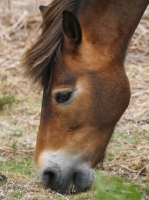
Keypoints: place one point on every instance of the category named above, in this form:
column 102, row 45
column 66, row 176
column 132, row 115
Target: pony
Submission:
column 79, row 61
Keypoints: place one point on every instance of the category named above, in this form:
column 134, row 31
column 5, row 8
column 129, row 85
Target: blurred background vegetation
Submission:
column 125, row 170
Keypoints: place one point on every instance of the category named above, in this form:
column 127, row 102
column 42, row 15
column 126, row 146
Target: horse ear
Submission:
column 71, row 28
column 42, row 8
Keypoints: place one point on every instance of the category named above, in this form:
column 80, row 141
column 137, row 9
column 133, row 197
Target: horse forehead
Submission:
column 72, row 79
column 74, row 73
column 87, row 64
column 64, row 78
column 88, row 58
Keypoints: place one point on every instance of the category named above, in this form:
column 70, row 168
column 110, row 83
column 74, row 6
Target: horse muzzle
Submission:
column 64, row 173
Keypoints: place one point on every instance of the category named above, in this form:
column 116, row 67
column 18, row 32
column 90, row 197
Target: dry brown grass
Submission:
column 128, row 152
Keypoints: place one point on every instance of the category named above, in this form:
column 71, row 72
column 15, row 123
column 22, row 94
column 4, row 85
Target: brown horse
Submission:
column 79, row 60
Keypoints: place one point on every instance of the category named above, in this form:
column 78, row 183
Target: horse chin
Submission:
column 67, row 175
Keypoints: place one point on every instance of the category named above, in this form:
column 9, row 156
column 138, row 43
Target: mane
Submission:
column 38, row 59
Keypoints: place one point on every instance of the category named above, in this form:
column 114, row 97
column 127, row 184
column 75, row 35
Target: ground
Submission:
column 20, row 104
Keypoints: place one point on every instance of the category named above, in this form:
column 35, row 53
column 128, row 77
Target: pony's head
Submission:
column 85, row 92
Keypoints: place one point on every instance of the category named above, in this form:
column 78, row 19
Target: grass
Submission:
column 20, row 102
column 17, row 194
column 19, row 164
column 6, row 99
column 20, row 168
column 116, row 188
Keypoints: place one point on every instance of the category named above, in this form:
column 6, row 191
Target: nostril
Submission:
column 83, row 179
column 51, row 177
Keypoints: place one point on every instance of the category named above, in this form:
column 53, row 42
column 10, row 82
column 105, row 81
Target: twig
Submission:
column 139, row 173
column 119, row 163
column 122, row 166
column 7, row 31
column 9, row 149
column 9, row 4
column 20, row 20
column 139, row 93
column 61, row 196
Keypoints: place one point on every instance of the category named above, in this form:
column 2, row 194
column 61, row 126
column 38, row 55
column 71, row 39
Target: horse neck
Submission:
column 110, row 24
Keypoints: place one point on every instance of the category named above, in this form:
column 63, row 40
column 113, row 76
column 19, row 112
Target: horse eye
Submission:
column 63, row 97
